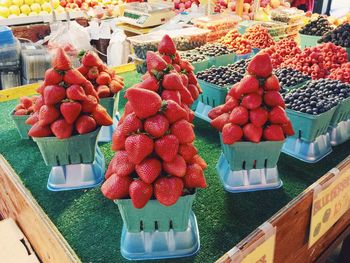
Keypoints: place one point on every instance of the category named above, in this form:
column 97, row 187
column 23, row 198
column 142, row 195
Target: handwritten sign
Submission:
column 329, row 204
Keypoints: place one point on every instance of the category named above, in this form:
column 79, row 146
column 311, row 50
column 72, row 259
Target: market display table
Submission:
column 92, row 224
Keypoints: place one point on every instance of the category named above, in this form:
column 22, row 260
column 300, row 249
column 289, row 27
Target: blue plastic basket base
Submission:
column 339, row 134
column 77, row 176
column 310, row 152
column 247, row 180
column 202, row 111
column 161, row 245
column 106, row 132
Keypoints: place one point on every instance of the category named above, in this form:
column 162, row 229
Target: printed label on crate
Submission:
column 261, row 251
column 329, row 204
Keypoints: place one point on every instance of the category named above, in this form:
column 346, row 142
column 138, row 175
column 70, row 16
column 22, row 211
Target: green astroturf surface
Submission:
column 92, row 225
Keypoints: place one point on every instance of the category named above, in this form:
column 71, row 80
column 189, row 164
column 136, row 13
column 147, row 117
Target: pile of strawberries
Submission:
column 236, row 42
column 318, row 61
column 254, row 109
column 25, row 106
column 103, row 78
column 68, row 102
column 154, row 138
column 342, row 73
column 282, row 50
column 258, row 36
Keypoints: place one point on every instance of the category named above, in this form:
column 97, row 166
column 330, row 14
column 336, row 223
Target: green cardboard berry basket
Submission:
column 155, row 216
column 77, row 149
column 308, row 41
column 249, row 155
column 308, row 127
column 200, row 66
column 111, row 104
column 342, row 113
column 213, row 95
column 348, row 51
column 222, row 60
column 22, row 127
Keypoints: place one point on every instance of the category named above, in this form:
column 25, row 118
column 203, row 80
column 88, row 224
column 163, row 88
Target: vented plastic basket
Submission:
column 155, row 216
column 222, row 60
column 213, row 95
column 21, row 126
column 308, row 41
column 111, row 104
column 200, row 66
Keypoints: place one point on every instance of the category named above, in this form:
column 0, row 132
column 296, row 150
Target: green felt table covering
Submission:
column 92, row 224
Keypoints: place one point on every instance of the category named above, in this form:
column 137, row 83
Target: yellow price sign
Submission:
column 330, row 202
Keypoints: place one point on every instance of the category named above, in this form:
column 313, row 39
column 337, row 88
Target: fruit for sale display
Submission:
column 213, row 50
column 340, row 36
column 221, row 76
column 317, row 27
column 342, row 73
column 258, row 36
column 66, row 96
column 193, row 57
column 154, row 138
column 290, row 77
column 254, row 108
column 317, row 96
column 236, row 42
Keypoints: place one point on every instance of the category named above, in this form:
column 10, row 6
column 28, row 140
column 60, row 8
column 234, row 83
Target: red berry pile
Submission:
column 68, row 102
column 254, row 109
column 318, row 61
column 154, row 138
column 342, row 73
column 25, row 106
column 258, row 36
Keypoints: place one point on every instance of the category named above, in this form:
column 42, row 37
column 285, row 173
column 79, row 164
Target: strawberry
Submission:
column 92, row 73
column 83, row 70
column 101, row 116
column 177, row 67
column 198, row 160
column 261, row 92
column 219, row 122
column 215, row 112
column 177, row 58
column 116, row 187
column 260, row 65
column 61, row 61
column 52, row 77
column 167, row 59
column 183, row 130
column 39, row 103
column 75, row 92
column 103, row 79
column 26, row 102
column 20, row 107
column 172, row 81
column 34, row 118
column 258, row 116
column 192, row 78
column 131, row 124
column 185, row 65
column 118, row 139
column 167, row 147
column 39, row 131
column 89, row 104
column 150, row 83
column 187, row 151
column 155, row 63
column 89, row 89
column 252, row 133
column 272, row 83
column 278, row 116
column 186, row 96
column 73, row 76
column 21, row 112
column 174, row 112
column 149, row 169
column 168, row 190
column 231, row 133
column 234, row 91
column 249, row 84
column 156, row 125
column 171, row 95
column 193, row 90
column 91, row 59
column 115, row 86
column 184, row 79
column 177, row 167
column 166, row 46
column 251, row 101
column 288, row 128
column 85, row 124
column 274, row 98
column 103, row 91
column 41, row 88
column 138, row 147
column 230, row 105
column 140, row 193
column 47, row 115
column 239, row 115
column 70, row 111
column 194, row 177
column 273, row 132
column 54, row 94
column 61, row 129
column 145, row 103
column 120, row 165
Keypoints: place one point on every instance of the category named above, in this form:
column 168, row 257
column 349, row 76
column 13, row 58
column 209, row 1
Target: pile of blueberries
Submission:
column 317, row 27
column 317, row 96
column 240, row 66
column 339, row 36
column 192, row 57
column 289, row 77
column 213, row 50
column 222, row 76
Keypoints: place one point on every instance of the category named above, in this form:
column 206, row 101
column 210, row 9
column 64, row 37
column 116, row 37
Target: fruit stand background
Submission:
column 92, row 225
